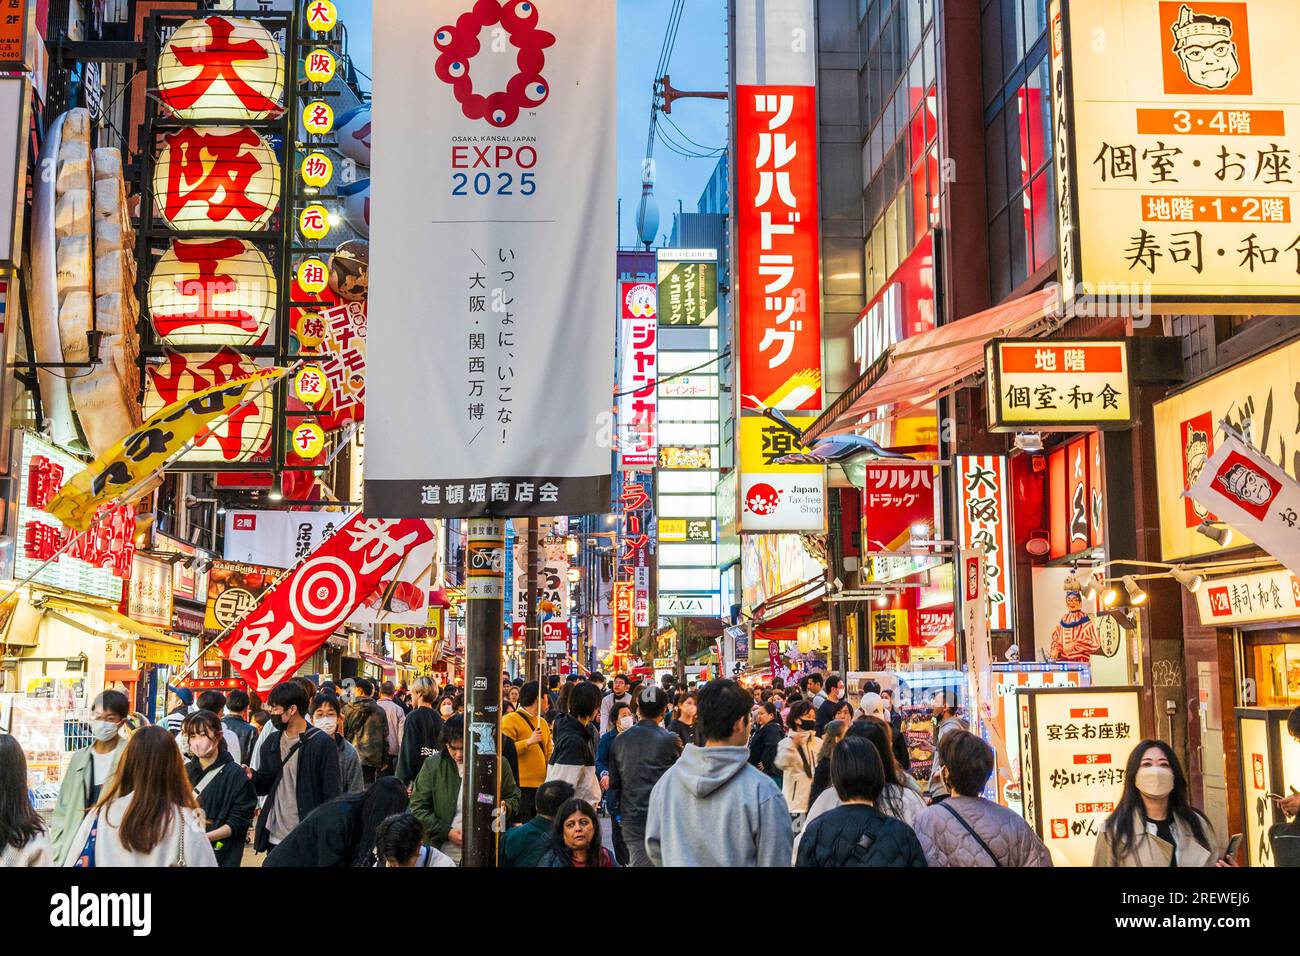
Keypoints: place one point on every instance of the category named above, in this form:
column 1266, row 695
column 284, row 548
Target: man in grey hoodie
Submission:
column 711, row 808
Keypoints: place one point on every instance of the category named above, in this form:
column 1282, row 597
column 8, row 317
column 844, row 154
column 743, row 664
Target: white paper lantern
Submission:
column 212, row 292
column 217, row 178
column 244, row 435
column 221, row 68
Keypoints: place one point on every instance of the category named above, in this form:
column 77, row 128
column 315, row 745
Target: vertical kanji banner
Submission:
column 777, row 260
column 493, row 233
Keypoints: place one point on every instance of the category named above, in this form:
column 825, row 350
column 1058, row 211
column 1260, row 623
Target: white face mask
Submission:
column 104, row 730
column 625, row 721
column 327, row 724
column 1154, row 781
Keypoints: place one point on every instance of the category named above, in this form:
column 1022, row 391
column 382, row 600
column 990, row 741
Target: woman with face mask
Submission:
column 225, row 794
column 796, row 758
column 90, row 769
column 326, row 715
column 1154, row 823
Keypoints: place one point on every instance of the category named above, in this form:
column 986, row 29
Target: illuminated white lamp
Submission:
column 216, row 68
column 212, row 292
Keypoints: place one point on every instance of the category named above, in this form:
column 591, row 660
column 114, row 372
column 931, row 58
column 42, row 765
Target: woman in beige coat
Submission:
column 796, row 758
column 1155, row 824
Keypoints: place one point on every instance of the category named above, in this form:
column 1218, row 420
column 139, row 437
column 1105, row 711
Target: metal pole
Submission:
column 835, row 569
column 484, row 613
column 534, row 652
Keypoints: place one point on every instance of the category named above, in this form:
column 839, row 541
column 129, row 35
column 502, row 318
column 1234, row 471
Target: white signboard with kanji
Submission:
column 984, row 521
column 1078, row 741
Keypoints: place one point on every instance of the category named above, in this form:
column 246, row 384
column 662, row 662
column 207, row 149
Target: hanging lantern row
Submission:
column 223, row 178
column 319, row 65
column 206, row 293
column 221, row 68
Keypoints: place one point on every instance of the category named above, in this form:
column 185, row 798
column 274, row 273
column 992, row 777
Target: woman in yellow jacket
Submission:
column 1155, row 824
column 532, row 737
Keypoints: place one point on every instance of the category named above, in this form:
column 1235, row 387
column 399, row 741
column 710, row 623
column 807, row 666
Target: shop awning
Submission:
column 924, row 368
column 151, row 645
column 118, row 626
column 778, row 606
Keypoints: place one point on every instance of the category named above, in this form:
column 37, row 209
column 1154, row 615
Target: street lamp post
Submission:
column 484, row 607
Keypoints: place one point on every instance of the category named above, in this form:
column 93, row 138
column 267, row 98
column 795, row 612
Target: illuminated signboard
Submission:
column 1079, row 740
column 1057, row 384
column 778, row 496
column 984, row 520
column 1180, row 135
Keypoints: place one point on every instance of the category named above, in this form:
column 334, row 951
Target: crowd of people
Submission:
column 714, row 775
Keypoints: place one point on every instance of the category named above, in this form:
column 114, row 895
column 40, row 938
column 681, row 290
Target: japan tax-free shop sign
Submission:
column 1176, row 126
column 493, row 246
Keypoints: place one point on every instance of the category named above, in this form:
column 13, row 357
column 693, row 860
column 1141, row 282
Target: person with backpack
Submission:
column 855, row 833
column 366, row 727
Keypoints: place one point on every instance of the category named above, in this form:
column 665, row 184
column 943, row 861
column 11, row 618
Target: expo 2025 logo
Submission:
column 458, row 45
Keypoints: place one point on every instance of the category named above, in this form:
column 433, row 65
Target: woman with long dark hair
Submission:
column 796, row 758
column 1154, row 823
column 24, row 840
column 342, row 831
column 575, row 838
column 147, row 814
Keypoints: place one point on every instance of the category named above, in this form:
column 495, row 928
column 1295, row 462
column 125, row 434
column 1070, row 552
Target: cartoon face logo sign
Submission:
column 640, row 300
column 1208, row 47
column 457, row 45
column 762, row 499
column 1248, row 487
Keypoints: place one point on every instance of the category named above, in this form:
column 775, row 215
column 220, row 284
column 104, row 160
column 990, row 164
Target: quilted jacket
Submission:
column 858, row 835
column 947, row 843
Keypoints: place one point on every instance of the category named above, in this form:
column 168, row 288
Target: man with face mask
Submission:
column 90, row 769
column 298, row 766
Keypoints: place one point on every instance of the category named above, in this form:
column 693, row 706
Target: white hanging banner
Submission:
column 1250, row 494
column 493, row 252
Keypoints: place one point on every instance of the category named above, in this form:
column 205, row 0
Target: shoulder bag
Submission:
column 971, row 830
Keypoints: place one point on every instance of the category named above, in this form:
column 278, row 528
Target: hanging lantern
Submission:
column 309, row 329
column 316, row 170
column 307, row 440
column 221, row 68
column 220, row 177
column 354, row 135
column 318, row 118
column 314, row 222
column 313, row 276
column 245, row 434
column 322, row 15
column 319, row 65
column 212, row 292
column 309, row 384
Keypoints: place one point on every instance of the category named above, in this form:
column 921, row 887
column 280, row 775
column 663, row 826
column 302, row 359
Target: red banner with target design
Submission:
column 307, row 605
